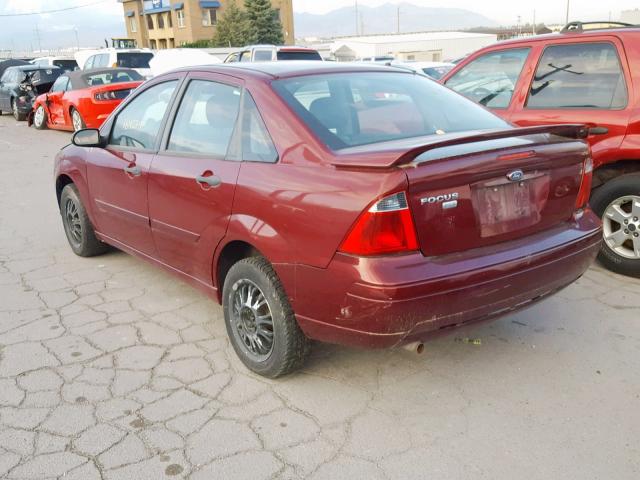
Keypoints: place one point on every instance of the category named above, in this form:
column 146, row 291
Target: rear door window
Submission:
column 582, row 75
column 206, row 119
column 262, row 55
column 491, row 78
column 138, row 124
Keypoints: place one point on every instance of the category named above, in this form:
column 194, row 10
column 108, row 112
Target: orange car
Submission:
column 83, row 98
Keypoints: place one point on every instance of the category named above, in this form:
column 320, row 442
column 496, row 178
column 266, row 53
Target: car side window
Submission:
column 579, row 75
column 262, row 55
column 206, row 119
column 257, row 145
column 89, row 63
column 60, row 85
column 138, row 124
column 491, row 78
column 245, row 56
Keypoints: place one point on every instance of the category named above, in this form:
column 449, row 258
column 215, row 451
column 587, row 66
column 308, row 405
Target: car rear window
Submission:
column 134, row 59
column 66, row 65
column 436, row 72
column 351, row 109
column 289, row 55
column 583, row 75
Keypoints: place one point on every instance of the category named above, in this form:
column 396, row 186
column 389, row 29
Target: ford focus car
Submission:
column 353, row 204
column 83, row 98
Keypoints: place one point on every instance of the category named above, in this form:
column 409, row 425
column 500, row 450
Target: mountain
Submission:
column 383, row 19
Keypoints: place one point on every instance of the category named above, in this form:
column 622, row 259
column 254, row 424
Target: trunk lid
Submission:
column 485, row 188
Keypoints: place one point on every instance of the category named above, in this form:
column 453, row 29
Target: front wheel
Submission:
column 40, row 118
column 260, row 322
column 77, row 226
column 76, row 120
column 617, row 202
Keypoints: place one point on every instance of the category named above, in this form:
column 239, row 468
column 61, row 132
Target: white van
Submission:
column 68, row 64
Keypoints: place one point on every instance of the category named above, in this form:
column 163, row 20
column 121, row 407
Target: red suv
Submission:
column 588, row 74
column 353, row 204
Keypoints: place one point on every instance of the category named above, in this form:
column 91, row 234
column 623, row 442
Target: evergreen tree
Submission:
column 232, row 30
column 264, row 24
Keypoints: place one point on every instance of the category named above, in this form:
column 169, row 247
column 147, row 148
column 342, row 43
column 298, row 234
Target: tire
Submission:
column 42, row 114
column 289, row 347
column 76, row 120
column 17, row 114
column 77, row 226
column 622, row 192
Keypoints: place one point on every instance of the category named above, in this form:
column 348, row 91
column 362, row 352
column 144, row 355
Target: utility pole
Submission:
column 75, row 29
column 533, row 29
column 38, row 37
column 357, row 19
column 398, row 29
column 567, row 18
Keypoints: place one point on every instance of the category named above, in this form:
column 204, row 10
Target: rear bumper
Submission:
column 388, row 301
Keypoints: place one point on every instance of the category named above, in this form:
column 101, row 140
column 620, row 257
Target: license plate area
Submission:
column 502, row 206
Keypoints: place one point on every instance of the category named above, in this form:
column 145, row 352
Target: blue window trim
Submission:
column 209, row 4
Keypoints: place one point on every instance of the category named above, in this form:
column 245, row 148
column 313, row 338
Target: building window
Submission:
column 160, row 21
column 180, row 17
column 209, row 17
column 150, row 22
column 169, row 20
column 153, row 45
column 133, row 24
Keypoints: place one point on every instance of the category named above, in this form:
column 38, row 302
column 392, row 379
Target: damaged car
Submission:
column 20, row 85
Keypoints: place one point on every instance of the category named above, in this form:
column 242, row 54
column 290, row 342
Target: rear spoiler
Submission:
column 402, row 156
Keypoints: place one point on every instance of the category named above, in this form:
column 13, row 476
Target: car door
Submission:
column 118, row 174
column 193, row 178
column 54, row 101
column 4, row 90
column 581, row 82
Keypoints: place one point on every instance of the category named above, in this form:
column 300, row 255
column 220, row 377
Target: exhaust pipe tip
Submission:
column 414, row 347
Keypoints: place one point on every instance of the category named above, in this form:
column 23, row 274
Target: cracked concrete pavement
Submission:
column 113, row 369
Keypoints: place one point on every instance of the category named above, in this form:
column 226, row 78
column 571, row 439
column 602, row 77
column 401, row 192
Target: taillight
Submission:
column 386, row 227
column 585, row 183
column 109, row 95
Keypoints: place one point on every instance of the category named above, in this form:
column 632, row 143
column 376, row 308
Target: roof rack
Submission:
column 579, row 27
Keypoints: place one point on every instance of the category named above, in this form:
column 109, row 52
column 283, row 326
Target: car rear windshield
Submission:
column 351, row 109
column 134, row 59
column 66, row 65
column 292, row 55
column 106, row 78
column 436, row 72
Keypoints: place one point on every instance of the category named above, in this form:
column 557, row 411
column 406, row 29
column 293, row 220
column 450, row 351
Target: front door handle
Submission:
column 598, row 130
column 210, row 180
column 133, row 170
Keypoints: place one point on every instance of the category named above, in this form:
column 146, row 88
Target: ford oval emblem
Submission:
column 516, row 175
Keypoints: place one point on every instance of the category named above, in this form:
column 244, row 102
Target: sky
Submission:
column 104, row 19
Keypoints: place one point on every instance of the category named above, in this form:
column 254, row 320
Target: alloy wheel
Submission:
column 252, row 320
column 72, row 220
column 621, row 226
column 77, row 120
column 38, row 117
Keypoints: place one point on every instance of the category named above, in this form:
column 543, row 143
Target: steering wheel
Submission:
column 128, row 141
column 480, row 94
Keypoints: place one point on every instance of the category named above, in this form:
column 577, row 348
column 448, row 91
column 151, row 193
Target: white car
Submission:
column 435, row 70
column 68, row 64
column 134, row 58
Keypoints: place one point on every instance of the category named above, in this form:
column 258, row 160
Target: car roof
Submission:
column 79, row 77
column 32, row 67
column 577, row 35
column 293, row 68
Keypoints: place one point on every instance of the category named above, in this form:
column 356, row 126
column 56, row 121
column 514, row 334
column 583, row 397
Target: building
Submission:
column 426, row 46
column 630, row 16
column 162, row 24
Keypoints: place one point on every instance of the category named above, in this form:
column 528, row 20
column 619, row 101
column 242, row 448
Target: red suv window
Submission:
column 491, row 78
column 578, row 75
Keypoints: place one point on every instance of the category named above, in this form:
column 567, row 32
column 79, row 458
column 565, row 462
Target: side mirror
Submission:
column 88, row 137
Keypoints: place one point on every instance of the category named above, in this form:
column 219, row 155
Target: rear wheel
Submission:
column 76, row 120
column 40, row 118
column 617, row 202
column 77, row 226
column 260, row 322
column 16, row 113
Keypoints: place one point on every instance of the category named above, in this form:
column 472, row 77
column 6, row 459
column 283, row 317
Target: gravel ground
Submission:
column 113, row 369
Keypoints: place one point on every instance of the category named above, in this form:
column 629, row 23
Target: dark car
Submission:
column 17, row 91
column 589, row 74
column 354, row 204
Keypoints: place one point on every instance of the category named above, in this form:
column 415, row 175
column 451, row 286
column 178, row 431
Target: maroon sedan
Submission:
column 359, row 205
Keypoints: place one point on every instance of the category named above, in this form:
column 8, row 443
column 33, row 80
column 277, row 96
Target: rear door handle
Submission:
column 133, row 170
column 212, row 181
column 598, row 131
